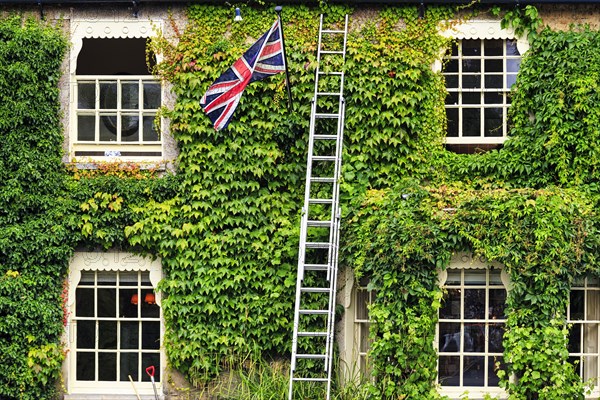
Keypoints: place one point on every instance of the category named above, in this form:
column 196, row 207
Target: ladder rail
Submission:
column 330, row 267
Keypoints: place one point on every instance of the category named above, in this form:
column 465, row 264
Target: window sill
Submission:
column 473, row 393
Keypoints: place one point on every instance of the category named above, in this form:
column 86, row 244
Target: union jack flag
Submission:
column 263, row 59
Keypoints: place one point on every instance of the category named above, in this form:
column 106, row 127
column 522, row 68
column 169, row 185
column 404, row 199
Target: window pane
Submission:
column 493, row 81
column 362, row 303
column 471, row 47
column 107, row 306
column 475, row 303
column 493, row 66
column 145, row 277
column 108, row 95
column 107, row 334
column 129, row 366
column 575, row 339
column 128, row 278
column 86, row 334
column 128, row 303
column 471, row 122
column 451, row 306
column 150, row 132
column 451, row 66
column 513, row 65
column 130, row 125
column 576, row 305
column 130, row 95
column 86, row 95
column 130, row 338
column 449, row 370
column 475, row 277
column 492, row 124
column 497, row 304
column 470, row 65
column 451, row 81
column 471, row 98
column 471, row 81
column 107, row 366
column 493, row 47
column 493, row 379
column 151, row 96
column 107, row 279
column 86, row 366
column 452, row 98
column 454, row 277
column 150, row 335
column 452, row 118
column 511, row 48
column 493, row 98
column 474, row 338
column 108, row 128
column 449, row 339
column 149, row 307
column 474, row 372
column 511, row 79
column 84, row 303
column 86, row 128
column 151, row 359
column 496, row 333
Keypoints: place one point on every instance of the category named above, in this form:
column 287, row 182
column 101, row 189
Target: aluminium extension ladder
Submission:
column 314, row 312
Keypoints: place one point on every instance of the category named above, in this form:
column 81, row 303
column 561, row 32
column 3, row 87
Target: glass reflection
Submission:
column 496, row 334
column 449, row 337
column 451, row 306
column 474, row 338
column 474, row 371
column 129, row 366
column 471, row 122
column 449, row 371
column 475, row 304
column 86, row 95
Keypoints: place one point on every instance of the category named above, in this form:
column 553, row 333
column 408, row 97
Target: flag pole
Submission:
column 287, row 72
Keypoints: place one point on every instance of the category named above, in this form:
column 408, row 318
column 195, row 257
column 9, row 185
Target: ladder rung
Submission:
column 315, row 334
column 312, row 356
column 320, row 201
column 315, row 289
column 324, row 158
column 329, row 73
column 326, row 115
column 323, row 179
column 316, row 267
column 318, row 224
column 314, row 312
column 325, row 137
column 310, row 379
column 317, row 245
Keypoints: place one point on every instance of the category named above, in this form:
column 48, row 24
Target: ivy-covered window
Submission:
column 583, row 315
column 470, row 329
column 479, row 74
column 117, row 325
column 115, row 96
column 363, row 298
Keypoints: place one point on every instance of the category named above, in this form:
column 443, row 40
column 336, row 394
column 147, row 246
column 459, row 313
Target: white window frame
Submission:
column 464, row 262
column 363, row 298
column 100, row 262
column 482, row 30
column 590, row 325
column 111, row 29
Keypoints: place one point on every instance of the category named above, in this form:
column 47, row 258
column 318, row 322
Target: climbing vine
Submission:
column 226, row 225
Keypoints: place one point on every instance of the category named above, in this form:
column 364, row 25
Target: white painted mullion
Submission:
column 97, row 110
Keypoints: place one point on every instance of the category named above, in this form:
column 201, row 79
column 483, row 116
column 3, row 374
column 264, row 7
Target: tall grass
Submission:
column 269, row 380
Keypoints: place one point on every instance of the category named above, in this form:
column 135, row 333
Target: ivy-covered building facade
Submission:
column 134, row 235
